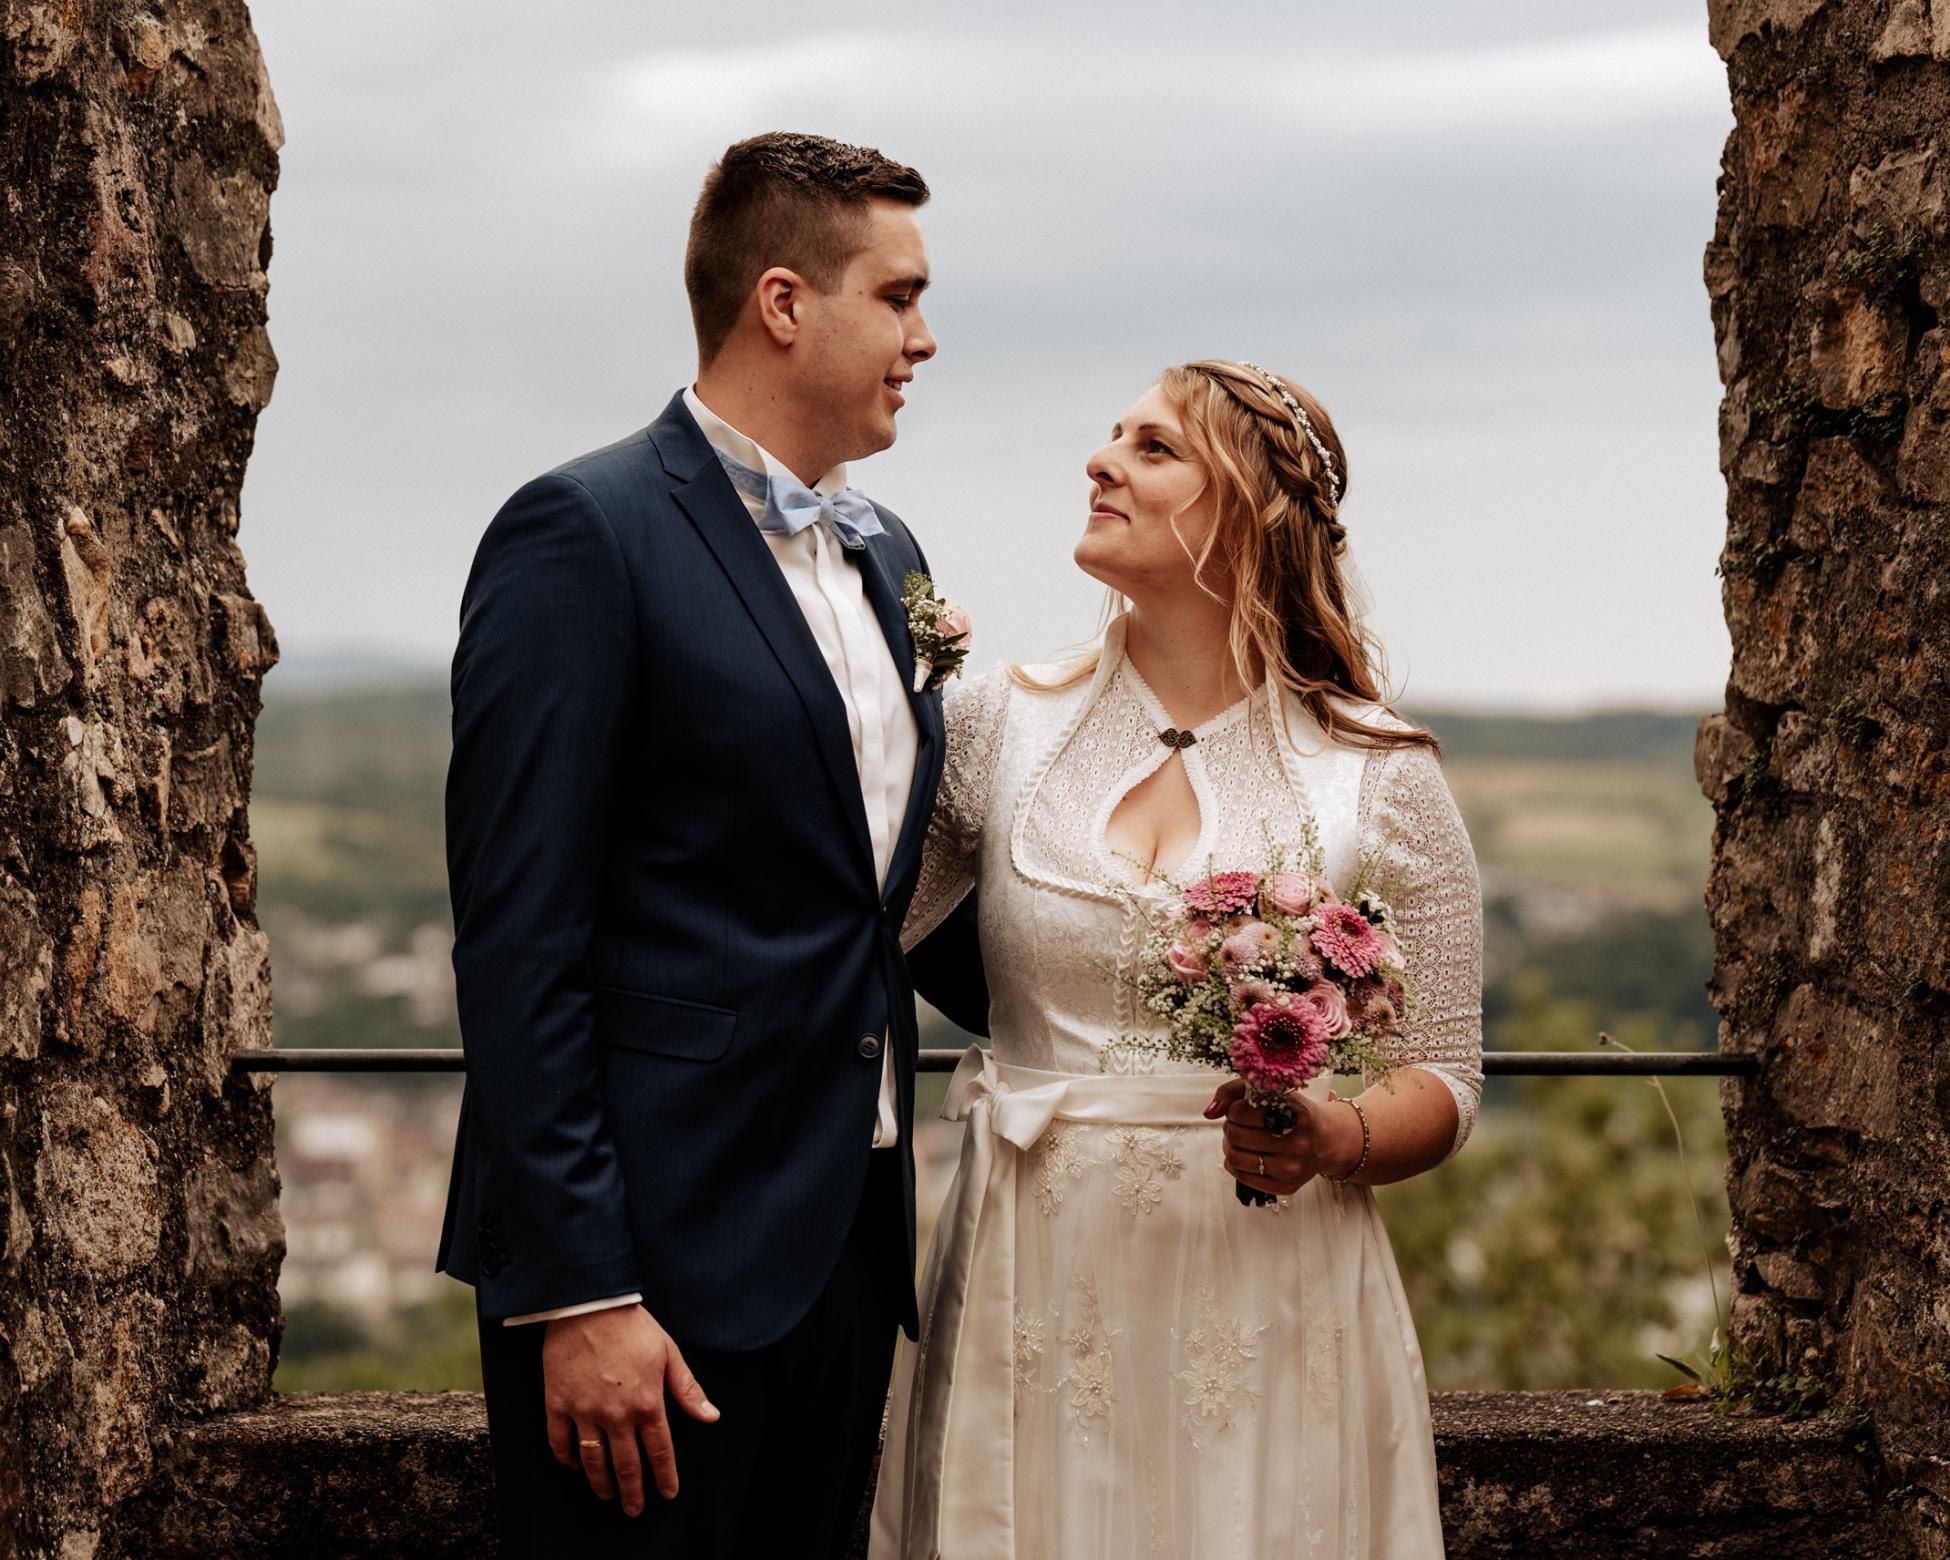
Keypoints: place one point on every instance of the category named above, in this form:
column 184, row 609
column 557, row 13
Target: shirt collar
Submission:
column 749, row 452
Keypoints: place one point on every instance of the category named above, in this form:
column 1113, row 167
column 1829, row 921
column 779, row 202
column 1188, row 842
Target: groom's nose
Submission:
column 920, row 340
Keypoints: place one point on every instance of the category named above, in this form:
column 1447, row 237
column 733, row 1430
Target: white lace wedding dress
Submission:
column 1116, row 1358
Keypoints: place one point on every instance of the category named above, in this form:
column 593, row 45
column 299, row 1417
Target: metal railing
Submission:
column 1523, row 1064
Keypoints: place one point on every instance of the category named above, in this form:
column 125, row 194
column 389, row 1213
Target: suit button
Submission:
column 869, row 1046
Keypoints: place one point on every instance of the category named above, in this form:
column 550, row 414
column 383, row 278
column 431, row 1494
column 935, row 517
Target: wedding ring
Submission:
column 598, row 1441
column 1262, row 1167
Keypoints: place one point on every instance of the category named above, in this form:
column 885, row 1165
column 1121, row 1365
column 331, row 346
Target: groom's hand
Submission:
column 604, row 1375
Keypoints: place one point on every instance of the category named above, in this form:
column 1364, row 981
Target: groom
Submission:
column 689, row 788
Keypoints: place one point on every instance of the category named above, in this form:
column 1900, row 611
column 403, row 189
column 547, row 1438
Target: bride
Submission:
column 1117, row 1359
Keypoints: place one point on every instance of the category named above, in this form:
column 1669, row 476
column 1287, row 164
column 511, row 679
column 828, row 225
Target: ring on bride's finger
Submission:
column 1262, row 1167
column 590, row 1441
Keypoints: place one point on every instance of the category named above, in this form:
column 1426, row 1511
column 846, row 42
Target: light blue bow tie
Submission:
column 791, row 506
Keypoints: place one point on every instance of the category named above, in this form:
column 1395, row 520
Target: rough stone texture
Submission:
column 1830, row 767
column 139, row 1235
column 1545, row 1475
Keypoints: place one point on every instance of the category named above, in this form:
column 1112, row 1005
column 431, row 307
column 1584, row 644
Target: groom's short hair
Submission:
column 799, row 201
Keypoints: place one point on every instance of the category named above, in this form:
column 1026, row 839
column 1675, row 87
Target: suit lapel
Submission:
column 712, row 503
column 877, row 577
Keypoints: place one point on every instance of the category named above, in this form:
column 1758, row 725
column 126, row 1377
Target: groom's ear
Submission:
column 780, row 297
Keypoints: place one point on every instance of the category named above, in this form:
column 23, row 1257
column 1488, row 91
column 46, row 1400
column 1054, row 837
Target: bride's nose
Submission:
column 1100, row 469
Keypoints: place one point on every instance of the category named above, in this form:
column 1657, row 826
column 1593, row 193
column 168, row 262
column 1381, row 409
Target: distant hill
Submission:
column 1662, row 737
column 372, row 696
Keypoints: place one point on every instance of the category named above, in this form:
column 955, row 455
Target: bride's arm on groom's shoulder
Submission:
column 975, row 714
column 940, row 932
column 542, row 696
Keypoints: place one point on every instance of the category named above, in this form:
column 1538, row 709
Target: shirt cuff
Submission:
column 573, row 1310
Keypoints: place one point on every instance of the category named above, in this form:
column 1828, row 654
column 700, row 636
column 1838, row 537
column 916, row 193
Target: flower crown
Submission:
column 1306, row 426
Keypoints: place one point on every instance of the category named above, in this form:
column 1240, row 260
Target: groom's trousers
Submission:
column 781, row 1474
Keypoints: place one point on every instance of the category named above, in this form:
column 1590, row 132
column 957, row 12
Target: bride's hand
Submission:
column 1317, row 1145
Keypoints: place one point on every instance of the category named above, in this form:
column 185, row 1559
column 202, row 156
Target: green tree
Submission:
column 1559, row 1248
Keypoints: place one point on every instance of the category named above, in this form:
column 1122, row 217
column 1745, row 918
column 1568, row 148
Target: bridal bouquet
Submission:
column 1273, row 976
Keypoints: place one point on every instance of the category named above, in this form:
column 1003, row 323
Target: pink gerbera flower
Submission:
column 1280, row 1044
column 1222, row 893
column 1347, row 939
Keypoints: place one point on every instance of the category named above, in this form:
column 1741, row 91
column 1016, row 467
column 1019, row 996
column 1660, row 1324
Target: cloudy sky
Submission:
column 1475, row 232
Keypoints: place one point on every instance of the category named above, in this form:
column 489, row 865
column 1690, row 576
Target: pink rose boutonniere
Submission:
column 941, row 631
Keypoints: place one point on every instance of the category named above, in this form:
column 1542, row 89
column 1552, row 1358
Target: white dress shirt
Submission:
column 886, row 739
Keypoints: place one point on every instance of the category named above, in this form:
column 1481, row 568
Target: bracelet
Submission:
column 1366, row 1140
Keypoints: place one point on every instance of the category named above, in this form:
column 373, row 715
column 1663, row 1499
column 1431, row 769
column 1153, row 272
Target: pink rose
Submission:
column 1254, row 945
column 1327, row 999
column 1287, row 893
column 1186, row 962
column 952, row 622
column 1186, row 927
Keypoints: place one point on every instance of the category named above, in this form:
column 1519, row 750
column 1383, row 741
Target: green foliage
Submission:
column 1855, row 728
column 1818, row 72
column 1801, row 415
column 1755, row 559
column 1773, row 978
column 1651, row 964
column 433, row 1347
column 1736, row 1383
column 1758, row 790
column 1884, row 269
column 1559, row 1248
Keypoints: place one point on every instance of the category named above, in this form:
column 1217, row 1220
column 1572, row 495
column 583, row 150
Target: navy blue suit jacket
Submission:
column 674, row 963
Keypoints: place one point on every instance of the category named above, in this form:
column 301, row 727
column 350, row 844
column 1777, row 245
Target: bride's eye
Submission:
column 1159, row 446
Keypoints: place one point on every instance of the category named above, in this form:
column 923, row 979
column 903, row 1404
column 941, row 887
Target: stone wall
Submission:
column 139, row 1236
column 1828, row 273
column 1525, row 1476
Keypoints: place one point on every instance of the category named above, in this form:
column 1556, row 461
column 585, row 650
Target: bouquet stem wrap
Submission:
column 1281, row 1118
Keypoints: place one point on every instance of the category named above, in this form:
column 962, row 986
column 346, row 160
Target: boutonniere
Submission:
column 940, row 630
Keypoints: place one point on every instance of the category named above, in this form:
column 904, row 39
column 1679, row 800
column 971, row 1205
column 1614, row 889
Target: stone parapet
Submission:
column 318, row 1476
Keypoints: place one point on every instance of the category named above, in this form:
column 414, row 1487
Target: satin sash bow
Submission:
column 959, row 1429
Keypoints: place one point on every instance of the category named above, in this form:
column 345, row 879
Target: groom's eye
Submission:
column 901, row 300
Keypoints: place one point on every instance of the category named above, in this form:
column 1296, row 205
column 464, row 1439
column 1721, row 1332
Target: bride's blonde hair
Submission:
column 1276, row 544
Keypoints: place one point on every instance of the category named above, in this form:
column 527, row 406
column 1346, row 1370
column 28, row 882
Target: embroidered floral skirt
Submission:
column 1119, row 1360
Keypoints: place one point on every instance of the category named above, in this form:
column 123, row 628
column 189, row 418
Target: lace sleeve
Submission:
column 1429, row 879
column 976, row 711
